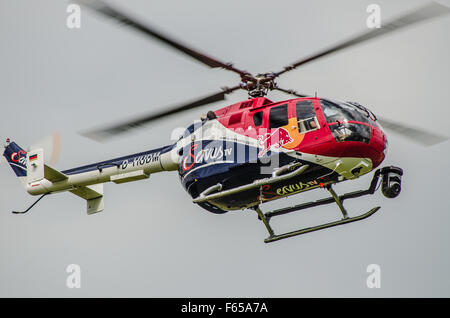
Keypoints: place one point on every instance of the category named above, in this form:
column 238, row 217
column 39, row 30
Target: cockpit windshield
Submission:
column 340, row 112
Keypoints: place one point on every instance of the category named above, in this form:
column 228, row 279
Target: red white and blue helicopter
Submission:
column 255, row 151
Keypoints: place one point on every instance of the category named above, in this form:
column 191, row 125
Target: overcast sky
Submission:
column 151, row 240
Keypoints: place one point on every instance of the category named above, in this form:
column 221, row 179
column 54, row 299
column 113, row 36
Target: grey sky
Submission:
column 151, row 240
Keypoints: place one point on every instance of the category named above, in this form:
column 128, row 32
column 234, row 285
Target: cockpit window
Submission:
column 306, row 117
column 340, row 112
column 257, row 118
column 278, row 116
column 351, row 132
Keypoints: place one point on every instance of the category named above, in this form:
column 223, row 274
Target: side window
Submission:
column 278, row 116
column 306, row 117
column 257, row 118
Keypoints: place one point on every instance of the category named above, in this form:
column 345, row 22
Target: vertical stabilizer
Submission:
column 17, row 159
column 35, row 165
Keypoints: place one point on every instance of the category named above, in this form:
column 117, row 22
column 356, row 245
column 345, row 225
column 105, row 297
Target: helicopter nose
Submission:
column 378, row 143
column 365, row 145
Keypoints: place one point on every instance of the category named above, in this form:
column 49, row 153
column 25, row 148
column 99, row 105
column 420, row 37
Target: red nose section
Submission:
column 374, row 149
column 358, row 150
column 378, row 144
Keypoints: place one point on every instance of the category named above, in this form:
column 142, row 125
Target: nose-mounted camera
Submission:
column 391, row 183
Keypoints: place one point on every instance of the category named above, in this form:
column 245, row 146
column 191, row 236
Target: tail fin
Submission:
column 17, row 158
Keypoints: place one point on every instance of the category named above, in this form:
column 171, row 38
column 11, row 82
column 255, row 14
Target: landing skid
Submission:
column 265, row 217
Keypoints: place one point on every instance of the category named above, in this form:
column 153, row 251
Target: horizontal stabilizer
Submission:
column 53, row 175
column 89, row 192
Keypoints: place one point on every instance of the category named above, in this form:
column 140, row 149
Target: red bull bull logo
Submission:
column 273, row 141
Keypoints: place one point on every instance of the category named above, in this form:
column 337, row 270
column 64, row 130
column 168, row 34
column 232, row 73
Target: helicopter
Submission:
column 255, row 151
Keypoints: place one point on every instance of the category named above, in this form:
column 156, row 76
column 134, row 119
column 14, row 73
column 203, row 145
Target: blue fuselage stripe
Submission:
column 115, row 161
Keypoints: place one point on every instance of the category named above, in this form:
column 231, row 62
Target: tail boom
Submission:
column 86, row 181
column 119, row 170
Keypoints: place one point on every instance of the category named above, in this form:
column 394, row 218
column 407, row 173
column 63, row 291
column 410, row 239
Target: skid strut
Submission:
column 265, row 217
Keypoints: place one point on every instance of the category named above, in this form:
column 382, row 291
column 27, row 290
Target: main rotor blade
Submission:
column 415, row 134
column 429, row 11
column 289, row 91
column 120, row 128
column 107, row 10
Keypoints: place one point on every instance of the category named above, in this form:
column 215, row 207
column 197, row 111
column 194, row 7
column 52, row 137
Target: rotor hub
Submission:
column 259, row 85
